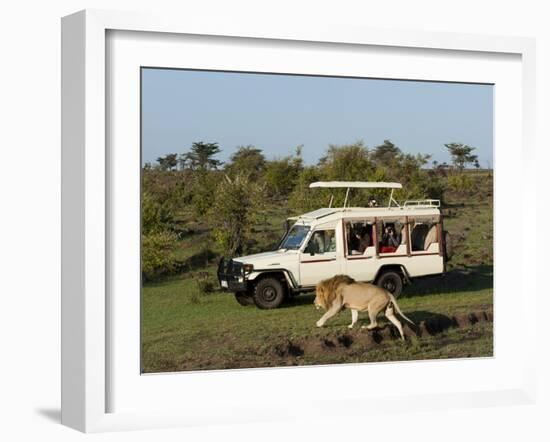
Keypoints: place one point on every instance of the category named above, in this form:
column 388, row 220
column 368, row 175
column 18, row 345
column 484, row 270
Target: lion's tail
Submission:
column 394, row 302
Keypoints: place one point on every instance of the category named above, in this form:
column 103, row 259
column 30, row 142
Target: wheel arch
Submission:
column 400, row 268
column 283, row 275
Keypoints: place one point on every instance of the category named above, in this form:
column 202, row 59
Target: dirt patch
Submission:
column 343, row 345
column 360, row 340
column 288, row 349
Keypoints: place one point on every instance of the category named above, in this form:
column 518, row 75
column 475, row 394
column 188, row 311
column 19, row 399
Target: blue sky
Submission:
column 278, row 112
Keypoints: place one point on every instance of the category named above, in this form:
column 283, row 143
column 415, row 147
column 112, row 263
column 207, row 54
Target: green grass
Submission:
column 186, row 330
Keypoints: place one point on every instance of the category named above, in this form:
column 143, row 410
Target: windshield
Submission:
column 294, row 238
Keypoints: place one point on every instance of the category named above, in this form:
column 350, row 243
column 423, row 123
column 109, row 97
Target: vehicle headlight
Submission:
column 247, row 268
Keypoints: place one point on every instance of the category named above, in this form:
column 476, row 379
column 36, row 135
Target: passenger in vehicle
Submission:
column 352, row 240
column 390, row 239
column 318, row 242
column 330, row 241
column 362, row 240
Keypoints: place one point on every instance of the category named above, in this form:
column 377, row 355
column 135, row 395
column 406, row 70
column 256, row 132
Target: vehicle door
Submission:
column 318, row 258
column 360, row 242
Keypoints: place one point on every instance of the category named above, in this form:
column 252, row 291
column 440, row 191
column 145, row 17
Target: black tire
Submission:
column 391, row 281
column 269, row 293
column 244, row 298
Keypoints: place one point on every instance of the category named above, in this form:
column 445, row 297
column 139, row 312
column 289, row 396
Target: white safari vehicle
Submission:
column 388, row 245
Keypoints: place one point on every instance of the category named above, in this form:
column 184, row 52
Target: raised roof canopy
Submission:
column 356, row 184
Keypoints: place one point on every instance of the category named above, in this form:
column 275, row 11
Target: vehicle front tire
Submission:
column 391, row 281
column 269, row 293
column 244, row 298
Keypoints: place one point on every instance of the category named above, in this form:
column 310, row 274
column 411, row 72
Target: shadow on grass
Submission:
column 471, row 278
column 302, row 299
column 200, row 260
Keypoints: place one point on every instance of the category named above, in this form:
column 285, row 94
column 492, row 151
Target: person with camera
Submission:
column 390, row 239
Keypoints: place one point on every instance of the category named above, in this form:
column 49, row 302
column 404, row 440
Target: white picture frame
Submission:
column 86, row 315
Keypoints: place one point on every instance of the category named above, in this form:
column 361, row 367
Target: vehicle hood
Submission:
column 267, row 259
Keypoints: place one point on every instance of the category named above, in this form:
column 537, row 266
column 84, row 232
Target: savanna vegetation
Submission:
column 196, row 209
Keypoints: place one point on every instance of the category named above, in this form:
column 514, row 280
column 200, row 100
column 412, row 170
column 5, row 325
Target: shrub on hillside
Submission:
column 155, row 216
column 462, row 183
column 235, row 209
column 157, row 254
column 281, row 175
column 347, row 163
column 204, row 191
column 303, row 199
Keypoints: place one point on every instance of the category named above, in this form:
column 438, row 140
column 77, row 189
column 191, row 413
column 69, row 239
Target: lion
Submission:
column 341, row 291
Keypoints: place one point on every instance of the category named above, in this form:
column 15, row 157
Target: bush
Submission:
column 346, row 163
column 462, row 183
column 281, row 174
column 170, row 191
column 236, row 206
column 156, row 254
column 204, row 283
column 303, row 199
column 204, row 191
column 155, row 217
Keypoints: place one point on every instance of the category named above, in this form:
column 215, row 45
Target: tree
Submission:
column 235, row 209
column 385, row 154
column 201, row 157
column 204, row 191
column 168, row 162
column 246, row 160
column 461, row 155
column 347, row 163
column 302, row 199
column 281, row 174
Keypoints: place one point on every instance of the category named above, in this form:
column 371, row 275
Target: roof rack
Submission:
column 412, row 204
column 358, row 185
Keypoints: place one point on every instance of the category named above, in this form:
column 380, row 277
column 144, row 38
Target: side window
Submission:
column 424, row 234
column 321, row 241
column 359, row 236
column 391, row 234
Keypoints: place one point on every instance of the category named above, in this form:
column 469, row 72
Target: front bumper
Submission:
column 231, row 276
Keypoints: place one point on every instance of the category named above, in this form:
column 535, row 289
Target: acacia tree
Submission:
column 248, row 160
column 385, row 154
column 201, row 157
column 461, row 155
column 168, row 162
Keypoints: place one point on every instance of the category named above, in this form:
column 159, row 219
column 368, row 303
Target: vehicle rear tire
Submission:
column 391, row 281
column 244, row 298
column 269, row 293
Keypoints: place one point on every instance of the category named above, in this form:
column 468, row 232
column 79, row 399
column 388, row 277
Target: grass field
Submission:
column 188, row 325
column 183, row 332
